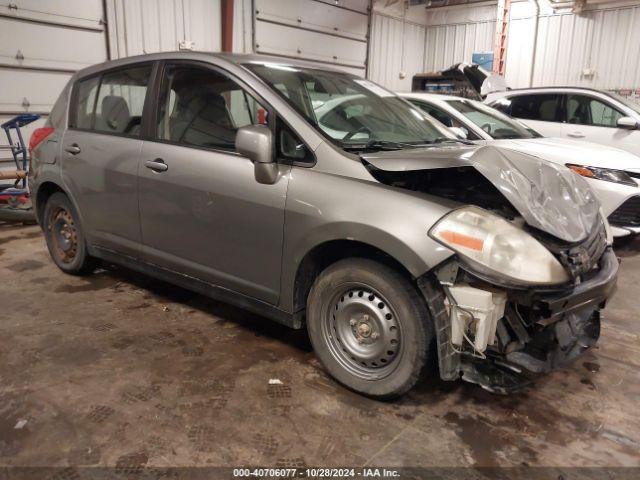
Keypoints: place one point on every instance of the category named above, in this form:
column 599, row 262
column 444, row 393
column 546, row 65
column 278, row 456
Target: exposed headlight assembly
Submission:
column 607, row 228
column 496, row 245
column 606, row 174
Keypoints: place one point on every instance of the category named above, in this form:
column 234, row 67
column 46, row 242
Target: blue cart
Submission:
column 15, row 202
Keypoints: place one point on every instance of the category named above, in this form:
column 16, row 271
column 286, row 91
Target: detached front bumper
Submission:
column 591, row 293
column 540, row 331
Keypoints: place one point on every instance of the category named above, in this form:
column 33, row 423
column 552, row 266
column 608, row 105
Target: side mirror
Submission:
column 459, row 132
column 256, row 143
column 627, row 123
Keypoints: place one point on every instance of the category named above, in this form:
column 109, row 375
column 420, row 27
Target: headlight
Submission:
column 493, row 243
column 606, row 174
column 607, row 228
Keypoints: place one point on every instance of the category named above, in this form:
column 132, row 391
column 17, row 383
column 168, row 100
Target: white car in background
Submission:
column 576, row 113
column 612, row 173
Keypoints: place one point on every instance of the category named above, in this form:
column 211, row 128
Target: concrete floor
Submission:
column 120, row 370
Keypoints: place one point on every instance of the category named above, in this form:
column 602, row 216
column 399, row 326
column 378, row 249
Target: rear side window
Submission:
column 111, row 103
column 85, row 102
column 542, row 107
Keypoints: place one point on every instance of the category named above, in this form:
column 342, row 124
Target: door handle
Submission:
column 576, row 134
column 156, row 165
column 73, row 149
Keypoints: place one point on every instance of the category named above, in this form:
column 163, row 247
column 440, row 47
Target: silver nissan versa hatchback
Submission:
column 323, row 201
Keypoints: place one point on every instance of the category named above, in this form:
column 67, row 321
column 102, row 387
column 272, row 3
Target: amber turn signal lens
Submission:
column 584, row 171
column 463, row 240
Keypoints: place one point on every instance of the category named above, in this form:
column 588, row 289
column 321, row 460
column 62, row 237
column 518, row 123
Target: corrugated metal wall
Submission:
column 148, row 26
column 606, row 41
column 388, row 56
column 41, row 45
column 447, row 37
column 450, row 44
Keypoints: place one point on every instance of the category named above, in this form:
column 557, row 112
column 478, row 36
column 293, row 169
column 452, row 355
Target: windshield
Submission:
column 628, row 102
column 496, row 124
column 352, row 112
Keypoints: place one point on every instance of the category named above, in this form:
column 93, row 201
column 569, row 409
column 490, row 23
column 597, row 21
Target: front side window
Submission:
column 584, row 110
column 632, row 103
column 352, row 112
column 204, row 108
column 497, row 125
column 541, row 107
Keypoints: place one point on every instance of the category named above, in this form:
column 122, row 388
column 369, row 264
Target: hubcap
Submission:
column 64, row 235
column 362, row 332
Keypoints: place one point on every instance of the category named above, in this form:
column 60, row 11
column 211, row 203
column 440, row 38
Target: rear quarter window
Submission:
column 56, row 117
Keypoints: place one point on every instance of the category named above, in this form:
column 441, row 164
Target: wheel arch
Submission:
column 43, row 193
column 326, row 253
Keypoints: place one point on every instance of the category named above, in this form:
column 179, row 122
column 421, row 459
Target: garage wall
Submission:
column 599, row 48
column 452, row 36
column 41, row 45
column 148, row 26
column 396, row 50
column 604, row 40
column 431, row 40
column 325, row 31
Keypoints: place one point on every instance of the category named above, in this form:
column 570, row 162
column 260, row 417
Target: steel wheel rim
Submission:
column 63, row 234
column 362, row 331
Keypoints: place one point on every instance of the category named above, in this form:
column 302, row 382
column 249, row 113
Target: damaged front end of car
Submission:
column 532, row 266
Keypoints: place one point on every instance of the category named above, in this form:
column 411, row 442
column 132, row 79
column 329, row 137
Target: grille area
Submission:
column 582, row 258
column 627, row 214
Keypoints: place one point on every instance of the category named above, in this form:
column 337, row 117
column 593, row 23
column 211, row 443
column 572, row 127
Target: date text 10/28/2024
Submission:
column 315, row 473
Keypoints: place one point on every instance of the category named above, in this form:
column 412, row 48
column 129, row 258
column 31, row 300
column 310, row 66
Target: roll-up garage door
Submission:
column 41, row 44
column 326, row 31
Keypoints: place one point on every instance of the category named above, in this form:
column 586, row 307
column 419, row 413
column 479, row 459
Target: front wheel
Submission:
column 370, row 327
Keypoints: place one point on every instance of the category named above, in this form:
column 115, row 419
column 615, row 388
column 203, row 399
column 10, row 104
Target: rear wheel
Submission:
column 65, row 239
column 369, row 326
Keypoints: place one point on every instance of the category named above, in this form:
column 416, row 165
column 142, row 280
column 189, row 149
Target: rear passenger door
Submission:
column 540, row 111
column 202, row 211
column 100, row 154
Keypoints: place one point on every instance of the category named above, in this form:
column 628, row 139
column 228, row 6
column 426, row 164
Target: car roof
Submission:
column 512, row 91
column 430, row 96
column 232, row 58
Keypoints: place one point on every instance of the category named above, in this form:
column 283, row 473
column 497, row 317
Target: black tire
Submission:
column 65, row 239
column 349, row 302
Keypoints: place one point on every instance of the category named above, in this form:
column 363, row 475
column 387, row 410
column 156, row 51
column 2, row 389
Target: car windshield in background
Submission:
column 496, row 124
column 632, row 103
column 354, row 113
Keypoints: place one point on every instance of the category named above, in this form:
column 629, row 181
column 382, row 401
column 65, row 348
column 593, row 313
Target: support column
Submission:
column 226, row 21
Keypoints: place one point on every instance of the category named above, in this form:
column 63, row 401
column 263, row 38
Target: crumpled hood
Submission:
column 564, row 150
column 549, row 197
